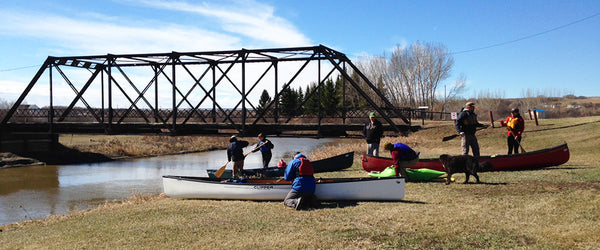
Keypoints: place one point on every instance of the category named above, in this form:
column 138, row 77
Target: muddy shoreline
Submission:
column 60, row 156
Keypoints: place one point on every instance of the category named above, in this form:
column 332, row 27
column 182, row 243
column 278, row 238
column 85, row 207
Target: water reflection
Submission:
column 39, row 191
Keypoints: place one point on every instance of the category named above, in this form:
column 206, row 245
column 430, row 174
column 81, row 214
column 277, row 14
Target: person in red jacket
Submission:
column 515, row 125
column 403, row 157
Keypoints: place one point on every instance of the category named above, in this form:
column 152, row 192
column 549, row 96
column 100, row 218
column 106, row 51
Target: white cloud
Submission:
column 94, row 36
column 247, row 18
column 99, row 33
column 234, row 25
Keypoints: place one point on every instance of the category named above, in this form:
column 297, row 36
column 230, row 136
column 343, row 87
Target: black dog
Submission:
column 463, row 164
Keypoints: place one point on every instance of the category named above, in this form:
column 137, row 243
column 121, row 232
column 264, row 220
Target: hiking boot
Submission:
column 300, row 203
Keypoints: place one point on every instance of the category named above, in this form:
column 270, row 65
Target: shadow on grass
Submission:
column 337, row 204
column 482, row 183
column 343, row 204
column 492, row 183
column 563, row 167
column 563, row 127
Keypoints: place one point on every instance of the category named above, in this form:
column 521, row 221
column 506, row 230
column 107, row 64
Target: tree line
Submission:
column 409, row 78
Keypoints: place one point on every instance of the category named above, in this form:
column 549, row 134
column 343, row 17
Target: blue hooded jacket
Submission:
column 301, row 184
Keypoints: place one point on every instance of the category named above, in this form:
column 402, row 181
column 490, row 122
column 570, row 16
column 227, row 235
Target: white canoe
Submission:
column 355, row 189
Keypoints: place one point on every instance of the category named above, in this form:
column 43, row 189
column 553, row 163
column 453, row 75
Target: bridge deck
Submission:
column 218, row 128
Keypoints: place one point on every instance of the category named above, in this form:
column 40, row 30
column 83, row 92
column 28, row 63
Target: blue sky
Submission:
column 502, row 47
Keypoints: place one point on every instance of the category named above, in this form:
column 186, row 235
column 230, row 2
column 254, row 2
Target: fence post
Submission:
column 491, row 118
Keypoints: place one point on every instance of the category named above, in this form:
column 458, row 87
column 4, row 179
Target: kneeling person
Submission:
column 303, row 188
column 403, row 157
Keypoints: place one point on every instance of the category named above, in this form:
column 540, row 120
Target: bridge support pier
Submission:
column 27, row 142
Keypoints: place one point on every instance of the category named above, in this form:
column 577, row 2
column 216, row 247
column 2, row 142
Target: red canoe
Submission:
column 531, row 160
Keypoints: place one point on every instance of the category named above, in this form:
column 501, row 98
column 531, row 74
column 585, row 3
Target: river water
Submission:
column 39, row 191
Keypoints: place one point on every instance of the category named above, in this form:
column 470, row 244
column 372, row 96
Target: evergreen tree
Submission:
column 311, row 106
column 264, row 100
column 329, row 98
column 299, row 101
column 288, row 102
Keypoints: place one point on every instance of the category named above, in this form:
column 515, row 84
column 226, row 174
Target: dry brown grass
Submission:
column 118, row 146
column 552, row 208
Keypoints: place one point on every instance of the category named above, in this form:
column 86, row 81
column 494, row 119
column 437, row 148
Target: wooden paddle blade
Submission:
column 221, row 170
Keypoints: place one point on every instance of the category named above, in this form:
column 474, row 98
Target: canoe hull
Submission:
column 531, row 160
column 355, row 189
column 331, row 164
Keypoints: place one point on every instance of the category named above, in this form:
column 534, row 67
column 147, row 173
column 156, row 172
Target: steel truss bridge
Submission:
column 183, row 93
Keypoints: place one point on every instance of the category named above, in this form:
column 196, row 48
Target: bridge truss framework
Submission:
column 194, row 107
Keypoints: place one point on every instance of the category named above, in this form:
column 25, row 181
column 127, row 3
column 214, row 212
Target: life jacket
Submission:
column 281, row 164
column 266, row 148
column 306, row 168
column 513, row 123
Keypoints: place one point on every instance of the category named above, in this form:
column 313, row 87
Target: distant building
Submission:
column 540, row 113
column 28, row 106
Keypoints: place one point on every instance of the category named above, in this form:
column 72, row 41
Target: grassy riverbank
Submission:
column 552, row 208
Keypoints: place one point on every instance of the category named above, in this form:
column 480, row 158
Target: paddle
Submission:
column 221, row 170
column 450, row 137
column 522, row 150
column 515, row 136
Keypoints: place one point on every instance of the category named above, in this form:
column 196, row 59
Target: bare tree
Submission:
column 374, row 68
column 4, row 104
column 415, row 72
column 491, row 101
column 457, row 88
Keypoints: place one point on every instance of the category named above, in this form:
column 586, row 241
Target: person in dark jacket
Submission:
column 302, row 195
column 373, row 131
column 466, row 125
column 515, row 125
column 235, row 153
column 403, row 157
column 265, row 147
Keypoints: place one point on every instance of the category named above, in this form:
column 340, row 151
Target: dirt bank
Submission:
column 77, row 149
column 60, row 156
column 8, row 160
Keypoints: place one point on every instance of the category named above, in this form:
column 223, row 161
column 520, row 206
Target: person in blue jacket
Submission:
column 265, row 147
column 302, row 195
column 403, row 157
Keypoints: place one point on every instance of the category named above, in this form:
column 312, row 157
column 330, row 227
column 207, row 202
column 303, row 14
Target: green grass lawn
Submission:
column 552, row 208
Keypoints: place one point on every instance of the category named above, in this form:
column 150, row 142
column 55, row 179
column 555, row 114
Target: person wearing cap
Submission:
column 265, row 147
column 235, row 153
column 302, row 196
column 466, row 125
column 403, row 157
column 373, row 131
column 515, row 125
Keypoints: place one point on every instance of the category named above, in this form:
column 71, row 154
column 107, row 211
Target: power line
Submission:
column 527, row 37
column 25, row 67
